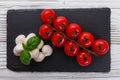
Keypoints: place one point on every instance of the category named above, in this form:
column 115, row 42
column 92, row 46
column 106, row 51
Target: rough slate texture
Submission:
column 96, row 21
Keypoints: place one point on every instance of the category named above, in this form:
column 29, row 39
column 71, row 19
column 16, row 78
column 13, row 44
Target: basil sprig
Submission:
column 30, row 45
column 25, row 57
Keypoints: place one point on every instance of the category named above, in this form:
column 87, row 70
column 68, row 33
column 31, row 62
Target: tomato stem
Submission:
column 59, row 40
column 72, row 48
column 63, row 26
column 86, row 39
column 47, row 33
column 81, row 46
column 99, row 47
column 51, row 18
column 75, row 33
column 85, row 58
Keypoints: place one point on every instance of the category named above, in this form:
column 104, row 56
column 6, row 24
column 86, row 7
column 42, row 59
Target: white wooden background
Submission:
column 6, row 74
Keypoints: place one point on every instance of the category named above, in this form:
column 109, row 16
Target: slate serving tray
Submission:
column 94, row 20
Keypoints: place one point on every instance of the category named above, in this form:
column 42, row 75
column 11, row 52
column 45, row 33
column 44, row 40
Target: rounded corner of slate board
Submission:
column 22, row 20
column 11, row 68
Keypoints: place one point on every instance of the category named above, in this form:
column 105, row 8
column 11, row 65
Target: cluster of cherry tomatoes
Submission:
column 74, row 32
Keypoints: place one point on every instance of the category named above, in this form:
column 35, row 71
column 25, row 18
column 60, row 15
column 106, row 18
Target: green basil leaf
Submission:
column 33, row 42
column 25, row 47
column 25, row 57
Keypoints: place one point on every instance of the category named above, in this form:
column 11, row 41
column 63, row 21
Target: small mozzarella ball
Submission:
column 34, row 53
column 47, row 50
column 20, row 39
column 15, row 53
column 41, row 44
column 40, row 58
column 29, row 36
column 18, row 48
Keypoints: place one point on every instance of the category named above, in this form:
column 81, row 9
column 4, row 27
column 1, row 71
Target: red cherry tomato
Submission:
column 45, row 31
column 83, row 58
column 73, row 30
column 60, row 23
column 70, row 48
column 100, row 46
column 48, row 16
column 58, row 40
column 86, row 39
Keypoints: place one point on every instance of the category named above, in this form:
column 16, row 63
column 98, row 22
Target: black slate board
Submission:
column 95, row 20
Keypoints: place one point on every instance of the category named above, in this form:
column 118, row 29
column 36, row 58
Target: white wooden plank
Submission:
column 2, row 56
column 2, row 59
column 60, row 75
column 58, row 79
column 88, row 1
column 33, row 0
column 95, row 4
column 2, row 53
column 30, row 5
column 3, row 64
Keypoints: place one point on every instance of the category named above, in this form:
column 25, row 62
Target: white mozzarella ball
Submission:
column 15, row 53
column 18, row 48
column 20, row 39
column 40, row 58
column 41, row 44
column 47, row 50
column 34, row 53
column 29, row 36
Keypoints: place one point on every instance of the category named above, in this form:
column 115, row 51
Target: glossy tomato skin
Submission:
column 45, row 31
column 60, row 23
column 58, row 40
column 73, row 30
column 70, row 48
column 86, row 39
column 100, row 46
column 48, row 16
column 84, row 58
